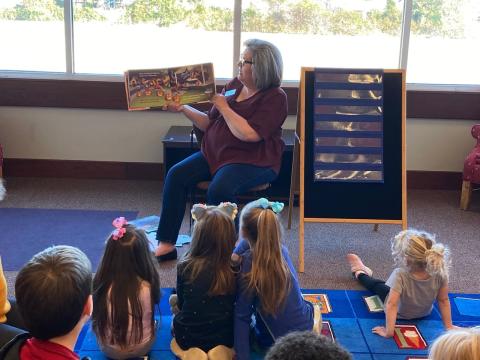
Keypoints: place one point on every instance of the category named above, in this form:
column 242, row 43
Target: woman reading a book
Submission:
column 242, row 145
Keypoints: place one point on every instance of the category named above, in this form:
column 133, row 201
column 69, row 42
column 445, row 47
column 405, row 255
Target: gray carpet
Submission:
column 325, row 244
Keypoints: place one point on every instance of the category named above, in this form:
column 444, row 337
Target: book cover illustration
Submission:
column 409, row 337
column 321, row 300
column 155, row 88
column 327, row 330
column 374, row 303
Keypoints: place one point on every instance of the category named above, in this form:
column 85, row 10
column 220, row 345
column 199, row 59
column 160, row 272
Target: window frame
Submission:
column 92, row 91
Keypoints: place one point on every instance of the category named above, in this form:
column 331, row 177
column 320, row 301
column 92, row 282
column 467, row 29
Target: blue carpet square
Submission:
column 347, row 333
column 379, row 345
column 360, row 308
column 164, row 305
column 468, row 306
column 357, row 356
column 456, row 314
column 396, row 357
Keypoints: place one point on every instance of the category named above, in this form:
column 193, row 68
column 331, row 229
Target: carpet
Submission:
column 350, row 321
column 28, row 231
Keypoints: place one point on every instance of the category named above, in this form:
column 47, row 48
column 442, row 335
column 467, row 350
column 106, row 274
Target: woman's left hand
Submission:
column 220, row 102
column 382, row 331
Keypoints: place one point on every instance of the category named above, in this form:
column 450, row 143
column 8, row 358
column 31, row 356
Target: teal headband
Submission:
column 263, row 203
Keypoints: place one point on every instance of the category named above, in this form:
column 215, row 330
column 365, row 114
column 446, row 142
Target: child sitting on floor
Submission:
column 53, row 292
column 126, row 289
column 421, row 277
column 306, row 345
column 459, row 344
column 206, row 287
column 267, row 287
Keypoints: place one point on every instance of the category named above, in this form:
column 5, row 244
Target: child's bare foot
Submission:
column 357, row 267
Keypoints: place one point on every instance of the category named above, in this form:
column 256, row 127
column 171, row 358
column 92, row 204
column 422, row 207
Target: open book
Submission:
column 155, row 88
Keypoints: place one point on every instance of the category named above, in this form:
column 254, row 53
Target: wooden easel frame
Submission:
column 298, row 168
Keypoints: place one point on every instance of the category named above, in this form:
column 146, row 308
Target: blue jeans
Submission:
column 226, row 184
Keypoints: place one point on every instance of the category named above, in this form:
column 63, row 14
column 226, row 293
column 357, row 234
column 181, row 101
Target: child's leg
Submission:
column 376, row 286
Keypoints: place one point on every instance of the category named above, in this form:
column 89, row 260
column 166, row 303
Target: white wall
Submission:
column 113, row 135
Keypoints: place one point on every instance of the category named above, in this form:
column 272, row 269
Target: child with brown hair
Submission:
column 126, row 289
column 267, row 287
column 206, row 287
column 421, row 277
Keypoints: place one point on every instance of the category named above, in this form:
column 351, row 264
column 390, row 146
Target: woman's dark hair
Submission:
column 52, row 290
column 213, row 241
column 126, row 262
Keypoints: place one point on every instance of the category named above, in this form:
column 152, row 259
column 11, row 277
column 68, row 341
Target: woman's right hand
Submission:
column 173, row 107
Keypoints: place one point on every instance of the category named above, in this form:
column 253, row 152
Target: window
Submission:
column 440, row 37
column 444, row 42
column 32, row 35
column 145, row 34
column 321, row 33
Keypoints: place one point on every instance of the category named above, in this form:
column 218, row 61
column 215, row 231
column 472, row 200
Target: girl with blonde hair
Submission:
column 267, row 286
column 421, row 277
column 460, row 344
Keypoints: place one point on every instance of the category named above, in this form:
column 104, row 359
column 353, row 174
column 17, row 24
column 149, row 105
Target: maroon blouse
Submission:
column 265, row 112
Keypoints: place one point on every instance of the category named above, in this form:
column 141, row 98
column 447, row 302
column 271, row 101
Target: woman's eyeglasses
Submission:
column 242, row 62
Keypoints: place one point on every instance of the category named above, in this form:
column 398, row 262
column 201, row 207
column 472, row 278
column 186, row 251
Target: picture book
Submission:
column 155, row 88
column 327, row 330
column 321, row 300
column 409, row 337
column 374, row 303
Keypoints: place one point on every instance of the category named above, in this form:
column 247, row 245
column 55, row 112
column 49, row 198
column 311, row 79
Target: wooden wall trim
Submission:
column 111, row 95
column 81, row 169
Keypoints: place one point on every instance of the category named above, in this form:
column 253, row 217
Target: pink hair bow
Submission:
column 119, row 231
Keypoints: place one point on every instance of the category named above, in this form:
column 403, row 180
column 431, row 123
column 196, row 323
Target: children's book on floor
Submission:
column 155, row 88
column 321, row 300
column 374, row 303
column 409, row 337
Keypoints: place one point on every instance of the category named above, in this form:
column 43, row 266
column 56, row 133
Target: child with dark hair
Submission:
column 126, row 289
column 306, row 345
column 206, row 287
column 53, row 292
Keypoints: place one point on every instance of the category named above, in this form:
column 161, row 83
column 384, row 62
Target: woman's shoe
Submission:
column 172, row 255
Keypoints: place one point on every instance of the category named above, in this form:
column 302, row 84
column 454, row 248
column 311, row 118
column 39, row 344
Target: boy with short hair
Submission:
column 54, row 296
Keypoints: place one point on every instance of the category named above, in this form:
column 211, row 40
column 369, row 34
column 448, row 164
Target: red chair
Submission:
column 471, row 170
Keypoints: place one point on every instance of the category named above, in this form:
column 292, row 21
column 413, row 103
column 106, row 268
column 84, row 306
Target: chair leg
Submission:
column 466, row 193
column 375, row 227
